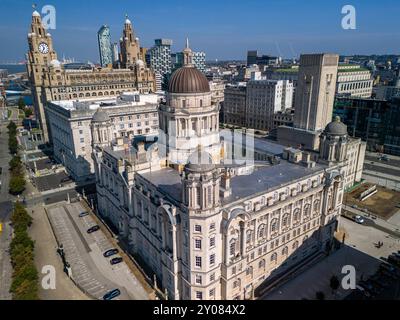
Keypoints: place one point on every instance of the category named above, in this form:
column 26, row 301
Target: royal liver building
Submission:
column 209, row 227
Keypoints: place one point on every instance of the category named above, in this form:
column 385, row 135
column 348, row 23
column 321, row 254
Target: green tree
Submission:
column 15, row 164
column 20, row 218
column 12, row 144
column 17, row 184
column 12, row 127
column 21, row 103
column 28, row 112
column 27, row 290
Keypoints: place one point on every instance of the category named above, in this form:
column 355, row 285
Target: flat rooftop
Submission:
column 268, row 178
column 262, row 179
column 122, row 100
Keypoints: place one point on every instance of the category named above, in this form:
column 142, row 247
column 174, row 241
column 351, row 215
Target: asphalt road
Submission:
column 390, row 171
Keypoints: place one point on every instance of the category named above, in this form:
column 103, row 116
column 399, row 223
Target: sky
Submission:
column 223, row 29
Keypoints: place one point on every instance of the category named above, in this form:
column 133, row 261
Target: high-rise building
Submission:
column 313, row 130
column 50, row 80
column 263, row 60
column 115, row 52
column 130, row 48
column 105, row 50
column 374, row 121
column 315, row 91
column 158, row 58
column 354, row 81
column 264, row 98
column 199, row 59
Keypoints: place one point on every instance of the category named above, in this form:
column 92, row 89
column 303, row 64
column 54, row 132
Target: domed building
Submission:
column 188, row 119
column 208, row 229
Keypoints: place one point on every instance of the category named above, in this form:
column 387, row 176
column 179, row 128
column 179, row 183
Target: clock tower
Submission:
column 39, row 58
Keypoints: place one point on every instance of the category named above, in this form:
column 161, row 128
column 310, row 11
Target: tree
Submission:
column 20, row 217
column 28, row 112
column 21, row 103
column 15, row 164
column 12, row 127
column 320, row 295
column 17, row 184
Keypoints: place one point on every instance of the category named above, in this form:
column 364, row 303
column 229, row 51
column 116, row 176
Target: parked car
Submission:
column 110, row 253
column 116, row 260
column 384, row 158
column 66, row 179
column 83, row 214
column 359, row 219
column 93, row 229
column 112, row 294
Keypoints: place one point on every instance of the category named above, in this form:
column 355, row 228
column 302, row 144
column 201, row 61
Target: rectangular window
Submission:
column 82, row 140
column 80, row 131
column 197, row 228
column 198, row 279
column 212, row 277
column 212, row 241
column 199, row 295
column 212, row 292
column 212, row 226
column 197, row 243
column 212, row 259
column 198, row 262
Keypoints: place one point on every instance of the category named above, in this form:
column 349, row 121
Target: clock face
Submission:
column 43, row 48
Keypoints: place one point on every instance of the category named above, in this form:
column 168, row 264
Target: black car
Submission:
column 116, row 260
column 93, row 229
column 112, row 294
column 83, row 214
column 110, row 253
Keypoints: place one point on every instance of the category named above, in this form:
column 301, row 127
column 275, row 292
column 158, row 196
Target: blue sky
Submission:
column 223, row 29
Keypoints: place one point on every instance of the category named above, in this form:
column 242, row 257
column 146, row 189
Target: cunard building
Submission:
column 50, row 80
column 206, row 226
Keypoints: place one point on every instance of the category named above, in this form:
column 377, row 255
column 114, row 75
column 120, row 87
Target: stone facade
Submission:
column 51, row 81
column 71, row 122
column 209, row 229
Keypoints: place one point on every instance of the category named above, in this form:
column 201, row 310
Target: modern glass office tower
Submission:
column 104, row 39
column 159, row 59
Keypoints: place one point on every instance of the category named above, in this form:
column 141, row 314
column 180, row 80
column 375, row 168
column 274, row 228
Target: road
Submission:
column 90, row 270
column 5, row 210
column 377, row 223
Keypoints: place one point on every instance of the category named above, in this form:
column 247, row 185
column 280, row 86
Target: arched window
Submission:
column 285, row 220
column 261, row 264
column 296, row 215
column 316, row 206
column 295, row 245
column 249, row 235
column 307, row 210
column 274, row 257
column 232, row 247
column 261, row 231
column 285, row 251
column 274, row 225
